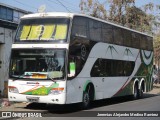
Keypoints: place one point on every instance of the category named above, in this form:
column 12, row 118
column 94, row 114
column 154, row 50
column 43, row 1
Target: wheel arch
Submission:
column 86, row 85
column 136, row 82
column 142, row 84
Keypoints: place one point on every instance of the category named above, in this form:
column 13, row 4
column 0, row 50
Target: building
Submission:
column 9, row 19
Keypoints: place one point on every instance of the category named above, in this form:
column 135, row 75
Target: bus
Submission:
column 65, row 58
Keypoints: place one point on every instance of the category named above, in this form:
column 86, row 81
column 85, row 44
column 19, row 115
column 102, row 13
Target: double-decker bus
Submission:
column 64, row 58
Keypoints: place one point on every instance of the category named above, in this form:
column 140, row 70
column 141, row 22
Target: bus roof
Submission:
column 71, row 15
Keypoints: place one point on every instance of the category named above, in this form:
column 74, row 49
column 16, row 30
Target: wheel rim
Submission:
column 141, row 93
column 135, row 92
column 86, row 99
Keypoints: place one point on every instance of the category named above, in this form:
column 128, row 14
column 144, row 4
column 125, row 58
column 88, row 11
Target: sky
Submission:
column 58, row 5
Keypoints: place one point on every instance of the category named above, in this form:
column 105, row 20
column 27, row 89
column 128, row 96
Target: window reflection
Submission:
column 28, row 63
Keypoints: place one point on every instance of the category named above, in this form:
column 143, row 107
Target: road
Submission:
column 150, row 102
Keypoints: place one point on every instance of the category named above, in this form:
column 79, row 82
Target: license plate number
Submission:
column 32, row 99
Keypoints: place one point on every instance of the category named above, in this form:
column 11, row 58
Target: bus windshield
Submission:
column 37, row 64
column 42, row 29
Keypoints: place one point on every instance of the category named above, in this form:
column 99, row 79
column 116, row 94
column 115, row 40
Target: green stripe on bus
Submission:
column 86, row 83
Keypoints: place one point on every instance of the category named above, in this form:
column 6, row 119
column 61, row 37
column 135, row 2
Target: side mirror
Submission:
column 72, row 69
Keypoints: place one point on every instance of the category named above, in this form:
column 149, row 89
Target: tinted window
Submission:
column 135, row 40
column 127, row 38
column 95, row 30
column 150, row 43
column 112, row 68
column 79, row 27
column 107, row 33
column 143, row 42
column 118, row 36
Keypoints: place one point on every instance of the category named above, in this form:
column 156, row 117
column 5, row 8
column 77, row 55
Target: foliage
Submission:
column 93, row 8
column 123, row 12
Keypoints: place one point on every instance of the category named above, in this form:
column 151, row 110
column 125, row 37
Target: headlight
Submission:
column 13, row 89
column 56, row 91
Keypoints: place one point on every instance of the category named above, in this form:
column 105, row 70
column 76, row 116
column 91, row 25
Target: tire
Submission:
column 86, row 100
column 88, row 97
column 140, row 94
column 136, row 92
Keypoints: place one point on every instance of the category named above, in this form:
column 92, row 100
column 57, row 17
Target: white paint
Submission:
column 149, row 54
column 105, row 87
column 40, row 46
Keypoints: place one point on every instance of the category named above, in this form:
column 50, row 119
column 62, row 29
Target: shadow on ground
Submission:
column 74, row 108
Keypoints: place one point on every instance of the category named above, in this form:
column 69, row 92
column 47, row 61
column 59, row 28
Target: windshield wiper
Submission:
column 19, row 76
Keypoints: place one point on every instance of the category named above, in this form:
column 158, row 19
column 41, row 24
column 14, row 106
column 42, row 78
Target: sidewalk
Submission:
column 5, row 105
column 156, row 89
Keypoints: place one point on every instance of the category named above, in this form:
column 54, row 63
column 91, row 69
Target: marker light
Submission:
column 56, row 91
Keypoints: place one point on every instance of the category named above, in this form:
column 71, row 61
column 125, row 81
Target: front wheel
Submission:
column 86, row 100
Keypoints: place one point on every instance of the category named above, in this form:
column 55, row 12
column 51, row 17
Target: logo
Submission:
column 33, row 83
column 83, row 50
column 6, row 114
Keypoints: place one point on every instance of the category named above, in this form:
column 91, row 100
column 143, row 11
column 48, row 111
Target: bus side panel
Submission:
column 147, row 68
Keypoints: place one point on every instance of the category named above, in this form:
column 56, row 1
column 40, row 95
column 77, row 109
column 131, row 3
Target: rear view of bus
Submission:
column 38, row 59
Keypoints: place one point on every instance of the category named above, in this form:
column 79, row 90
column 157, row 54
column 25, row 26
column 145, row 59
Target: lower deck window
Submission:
column 112, row 68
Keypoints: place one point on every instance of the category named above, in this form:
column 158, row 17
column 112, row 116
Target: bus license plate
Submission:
column 32, row 99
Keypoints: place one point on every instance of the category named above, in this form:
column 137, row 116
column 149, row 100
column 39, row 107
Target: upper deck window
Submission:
column 43, row 29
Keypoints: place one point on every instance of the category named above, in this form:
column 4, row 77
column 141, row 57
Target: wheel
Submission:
column 88, row 97
column 140, row 94
column 136, row 93
column 86, row 100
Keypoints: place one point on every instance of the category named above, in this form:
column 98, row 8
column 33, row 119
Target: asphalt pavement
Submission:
column 150, row 102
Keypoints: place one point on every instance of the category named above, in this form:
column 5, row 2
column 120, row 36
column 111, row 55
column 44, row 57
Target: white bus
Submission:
column 64, row 58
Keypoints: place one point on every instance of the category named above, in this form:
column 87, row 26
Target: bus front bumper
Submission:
column 51, row 99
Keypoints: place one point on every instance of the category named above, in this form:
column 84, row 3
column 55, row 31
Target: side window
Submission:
column 112, row 68
column 98, row 69
column 79, row 27
column 135, row 40
column 107, row 33
column 143, row 42
column 118, row 36
column 128, row 68
column 119, row 71
column 150, row 43
column 95, row 30
column 127, row 38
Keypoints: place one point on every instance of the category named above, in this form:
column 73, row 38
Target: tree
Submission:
column 119, row 10
column 93, row 8
column 123, row 12
column 156, row 45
